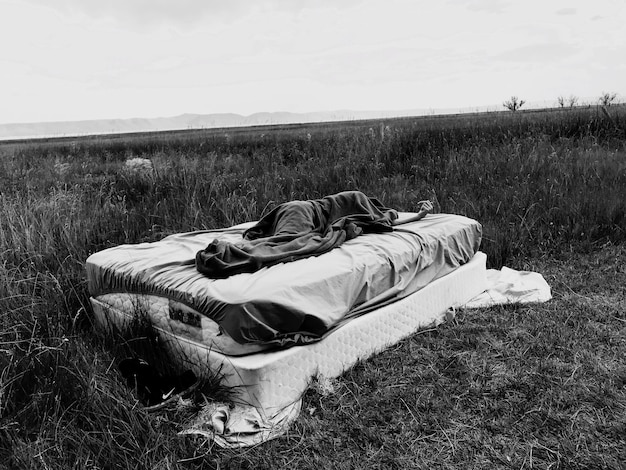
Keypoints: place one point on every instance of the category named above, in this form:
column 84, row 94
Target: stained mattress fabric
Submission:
column 296, row 302
column 296, row 230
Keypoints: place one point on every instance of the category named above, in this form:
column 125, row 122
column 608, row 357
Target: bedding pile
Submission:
column 296, row 230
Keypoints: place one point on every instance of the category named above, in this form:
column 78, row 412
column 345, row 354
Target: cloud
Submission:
column 566, row 11
column 538, row 53
column 158, row 57
column 181, row 14
column 149, row 14
column 490, row 6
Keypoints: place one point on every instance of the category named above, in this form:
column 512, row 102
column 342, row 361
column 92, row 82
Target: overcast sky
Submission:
column 90, row 59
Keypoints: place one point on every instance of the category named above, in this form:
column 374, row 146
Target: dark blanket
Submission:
column 295, row 230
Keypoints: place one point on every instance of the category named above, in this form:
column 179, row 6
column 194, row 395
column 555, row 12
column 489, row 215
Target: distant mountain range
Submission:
column 184, row 121
column 189, row 121
column 212, row 121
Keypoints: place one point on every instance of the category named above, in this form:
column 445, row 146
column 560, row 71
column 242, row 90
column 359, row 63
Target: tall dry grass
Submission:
column 540, row 183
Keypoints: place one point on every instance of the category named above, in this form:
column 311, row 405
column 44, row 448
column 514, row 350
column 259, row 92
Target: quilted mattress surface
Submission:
column 290, row 303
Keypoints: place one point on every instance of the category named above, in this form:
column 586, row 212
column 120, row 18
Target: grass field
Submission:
column 536, row 386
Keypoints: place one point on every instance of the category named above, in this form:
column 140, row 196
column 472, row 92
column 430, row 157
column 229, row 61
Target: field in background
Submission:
column 540, row 385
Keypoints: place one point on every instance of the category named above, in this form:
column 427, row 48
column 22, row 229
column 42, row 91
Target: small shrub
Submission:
column 513, row 104
column 606, row 99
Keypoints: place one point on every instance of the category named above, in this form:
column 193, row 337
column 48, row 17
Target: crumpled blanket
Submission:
column 510, row 286
column 236, row 425
column 295, row 230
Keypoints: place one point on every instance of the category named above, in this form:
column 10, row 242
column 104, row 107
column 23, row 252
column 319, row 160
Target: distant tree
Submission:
column 561, row 101
column 513, row 104
column 607, row 98
column 572, row 101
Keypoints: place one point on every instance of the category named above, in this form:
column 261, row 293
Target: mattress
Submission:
column 273, row 381
column 283, row 305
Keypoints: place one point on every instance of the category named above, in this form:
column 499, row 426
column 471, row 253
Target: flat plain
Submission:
column 516, row 386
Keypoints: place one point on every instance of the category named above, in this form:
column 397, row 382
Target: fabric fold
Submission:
column 296, row 230
column 509, row 286
column 239, row 425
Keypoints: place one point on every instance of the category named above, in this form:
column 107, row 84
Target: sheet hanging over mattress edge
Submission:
column 444, row 242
